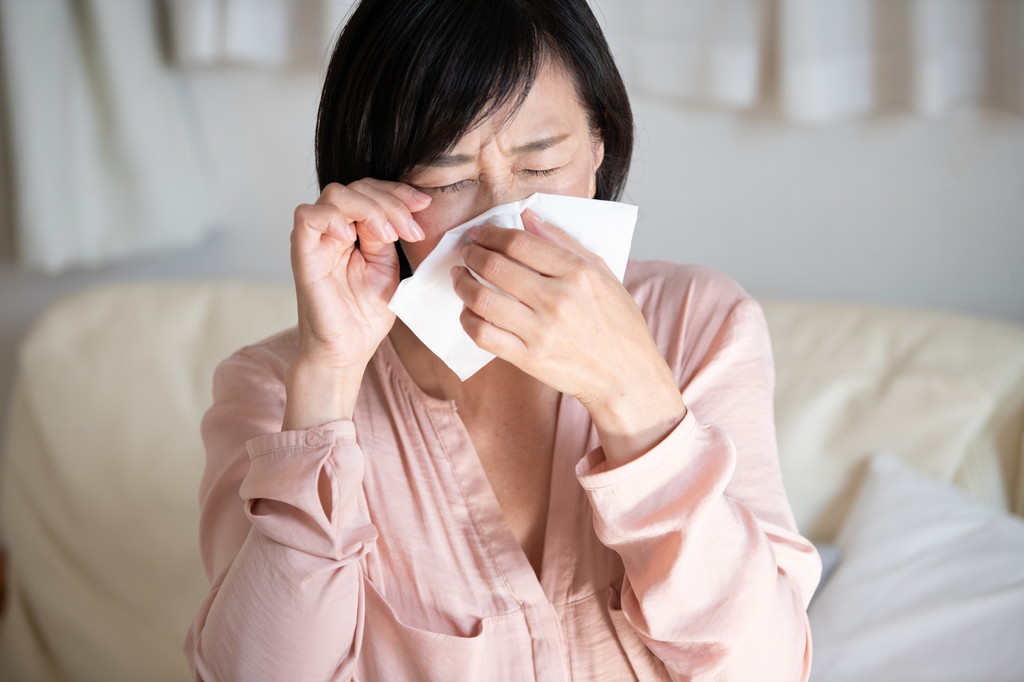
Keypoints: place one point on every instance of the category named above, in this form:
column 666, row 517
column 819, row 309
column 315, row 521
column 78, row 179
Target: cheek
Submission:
column 447, row 211
column 435, row 221
column 579, row 181
column 578, row 185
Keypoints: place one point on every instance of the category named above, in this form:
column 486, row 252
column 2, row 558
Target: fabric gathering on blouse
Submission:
column 375, row 549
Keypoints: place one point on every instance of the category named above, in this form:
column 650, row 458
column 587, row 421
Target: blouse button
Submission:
column 315, row 438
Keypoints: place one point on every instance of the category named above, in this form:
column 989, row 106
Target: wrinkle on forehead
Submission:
column 549, row 127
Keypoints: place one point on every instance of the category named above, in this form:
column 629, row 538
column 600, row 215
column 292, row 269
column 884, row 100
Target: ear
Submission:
column 598, row 148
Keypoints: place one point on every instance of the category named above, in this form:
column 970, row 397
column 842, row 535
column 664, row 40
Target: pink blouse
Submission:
column 375, row 549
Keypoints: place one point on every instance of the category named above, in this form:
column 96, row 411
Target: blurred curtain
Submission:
column 274, row 33
column 244, row 31
column 823, row 60
column 105, row 155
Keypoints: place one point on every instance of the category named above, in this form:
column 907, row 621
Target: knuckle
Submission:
column 577, row 274
column 516, row 242
column 485, row 334
column 397, row 207
column 558, row 307
column 379, row 200
column 479, row 300
column 333, row 191
column 470, row 324
column 381, row 185
column 488, row 264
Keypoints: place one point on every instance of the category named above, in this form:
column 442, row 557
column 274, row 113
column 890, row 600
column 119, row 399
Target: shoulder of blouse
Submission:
column 660, row 283
column 271, row 355
column 692, row 309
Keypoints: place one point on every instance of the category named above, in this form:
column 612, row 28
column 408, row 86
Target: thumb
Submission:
column 534, row 224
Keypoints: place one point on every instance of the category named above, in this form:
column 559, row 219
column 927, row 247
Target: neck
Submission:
column 498, row 382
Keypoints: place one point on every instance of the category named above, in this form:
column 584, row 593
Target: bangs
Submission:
column 463, row 61
column 409, row 78
column 485, row 58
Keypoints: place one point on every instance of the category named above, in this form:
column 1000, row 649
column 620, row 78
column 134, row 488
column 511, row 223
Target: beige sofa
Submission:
column 103, row 458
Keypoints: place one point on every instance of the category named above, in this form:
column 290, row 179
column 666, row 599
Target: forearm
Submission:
column 711, row 589
column 289, row 602
column 280, row 614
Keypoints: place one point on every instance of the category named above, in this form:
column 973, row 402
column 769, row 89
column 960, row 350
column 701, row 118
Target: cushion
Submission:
column 830, row 555
column 930, row 586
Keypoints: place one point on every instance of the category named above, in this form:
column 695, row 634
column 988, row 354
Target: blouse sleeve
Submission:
column 717, row 578
column 281, row 532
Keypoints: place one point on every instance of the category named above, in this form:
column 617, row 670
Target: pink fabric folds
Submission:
column 376, row 550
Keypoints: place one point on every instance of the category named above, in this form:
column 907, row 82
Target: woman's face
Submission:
column 545, row 147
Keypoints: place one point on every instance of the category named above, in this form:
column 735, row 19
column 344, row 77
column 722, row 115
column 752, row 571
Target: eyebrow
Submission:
column 528, row 148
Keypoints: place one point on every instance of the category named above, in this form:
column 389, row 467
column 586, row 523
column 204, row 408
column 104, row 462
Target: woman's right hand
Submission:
column 343, row 290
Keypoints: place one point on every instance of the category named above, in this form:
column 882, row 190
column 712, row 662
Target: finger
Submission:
column 313, row 222
column 378, row 253
column 414, row 199
column 534, row 224
column 493, row 338
column 501, row 271
column 394, row 200
column 535, row 252
column 493, row 306
column 368, row 217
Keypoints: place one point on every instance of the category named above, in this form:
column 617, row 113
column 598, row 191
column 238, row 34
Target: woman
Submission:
column 601, row 502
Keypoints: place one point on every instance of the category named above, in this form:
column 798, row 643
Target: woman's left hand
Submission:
column 570, row 323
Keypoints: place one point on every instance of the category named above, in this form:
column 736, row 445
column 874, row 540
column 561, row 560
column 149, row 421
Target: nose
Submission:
column 494, row 193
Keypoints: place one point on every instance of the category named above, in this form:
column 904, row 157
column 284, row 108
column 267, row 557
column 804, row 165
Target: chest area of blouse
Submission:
column 516, row 455
column 479, row 513
column 448, row 558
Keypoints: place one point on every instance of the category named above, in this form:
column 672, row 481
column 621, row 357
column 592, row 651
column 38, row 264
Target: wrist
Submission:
column 634, row 420
column 317, row 394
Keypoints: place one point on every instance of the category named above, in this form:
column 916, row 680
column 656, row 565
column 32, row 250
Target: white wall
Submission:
column 892, row 210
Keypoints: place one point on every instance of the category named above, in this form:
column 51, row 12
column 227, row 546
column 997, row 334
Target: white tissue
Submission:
column 428, row 305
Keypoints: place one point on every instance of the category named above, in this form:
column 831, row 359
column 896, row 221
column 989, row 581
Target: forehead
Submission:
column 551, row 107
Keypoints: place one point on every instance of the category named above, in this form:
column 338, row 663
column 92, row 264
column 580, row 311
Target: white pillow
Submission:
column 930, row 586
column 830, row 555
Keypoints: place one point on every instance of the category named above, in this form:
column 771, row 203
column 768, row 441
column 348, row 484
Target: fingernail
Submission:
column 350, row 232
column 454, row 271
column 415, row 228
column 536, row 223
column 472, row 233
column 390, row 232
column 420, row 196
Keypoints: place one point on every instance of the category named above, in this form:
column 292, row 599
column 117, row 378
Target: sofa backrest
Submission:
column 103, row 457
column 942, row 391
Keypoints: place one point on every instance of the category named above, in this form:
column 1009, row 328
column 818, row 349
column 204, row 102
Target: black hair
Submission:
column 408, row 78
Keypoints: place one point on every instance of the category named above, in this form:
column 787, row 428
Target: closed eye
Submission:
column 445, row 189
column 542, row 172
column 456, row 186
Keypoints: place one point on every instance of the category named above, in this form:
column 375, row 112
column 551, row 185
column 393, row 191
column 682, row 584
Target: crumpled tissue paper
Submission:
column 428, row 305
